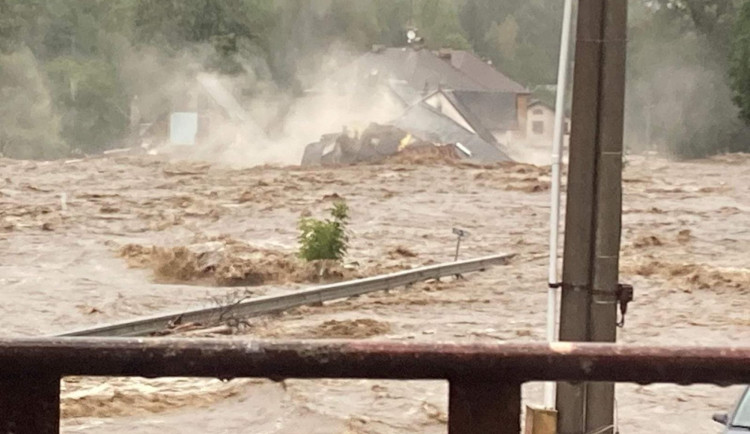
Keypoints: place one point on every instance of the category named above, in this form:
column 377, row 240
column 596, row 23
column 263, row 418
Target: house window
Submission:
column 538, row 111
column 537, row 127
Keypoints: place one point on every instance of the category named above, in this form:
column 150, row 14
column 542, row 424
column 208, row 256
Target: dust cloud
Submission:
column 678, row 100
column 26, row 112
column 267, row 124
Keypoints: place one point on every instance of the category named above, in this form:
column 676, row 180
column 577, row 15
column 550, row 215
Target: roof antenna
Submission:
column 412, row 38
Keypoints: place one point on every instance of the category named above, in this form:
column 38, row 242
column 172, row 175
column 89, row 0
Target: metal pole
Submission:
column 554, row 217
column 608, row 201
column 594, row 208
column 579, row 215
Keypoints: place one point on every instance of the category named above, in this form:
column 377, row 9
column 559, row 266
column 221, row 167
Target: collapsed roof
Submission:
column 419, row 126
column 430, row 125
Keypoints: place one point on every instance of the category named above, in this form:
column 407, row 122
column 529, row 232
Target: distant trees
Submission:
column 28, row 126
column 69, row 68
column 234, row 29
column 523, row 36
column 679, row 97
column 739, row 69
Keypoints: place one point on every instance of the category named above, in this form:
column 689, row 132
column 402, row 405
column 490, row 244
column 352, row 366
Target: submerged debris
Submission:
column 689, row 276
column 230, row 263
column 403, row 252
column 375, row 144
column 357, row 329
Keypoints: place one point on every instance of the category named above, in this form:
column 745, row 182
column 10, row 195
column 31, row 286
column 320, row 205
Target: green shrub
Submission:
column 325, row 239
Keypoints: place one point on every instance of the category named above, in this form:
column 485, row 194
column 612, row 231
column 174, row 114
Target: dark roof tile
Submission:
column 482, row 73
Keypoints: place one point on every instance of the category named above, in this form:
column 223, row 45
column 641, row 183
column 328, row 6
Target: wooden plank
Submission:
column 540, row 421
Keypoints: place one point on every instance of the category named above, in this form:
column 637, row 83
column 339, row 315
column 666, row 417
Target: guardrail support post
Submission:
column 30, row 404
column 493, row 408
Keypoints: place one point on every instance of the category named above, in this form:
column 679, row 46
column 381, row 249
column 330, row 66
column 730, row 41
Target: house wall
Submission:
column 533, row 143
column 522, row 107
column 541, row 125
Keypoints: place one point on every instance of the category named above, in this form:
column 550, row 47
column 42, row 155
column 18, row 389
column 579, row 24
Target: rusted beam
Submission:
column 477, row 407
column 30, row 404
column 492, row 363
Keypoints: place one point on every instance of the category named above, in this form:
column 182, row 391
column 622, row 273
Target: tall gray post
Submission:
column 588, row 310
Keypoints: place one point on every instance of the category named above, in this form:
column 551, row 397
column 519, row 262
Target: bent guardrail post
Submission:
column 271, row 304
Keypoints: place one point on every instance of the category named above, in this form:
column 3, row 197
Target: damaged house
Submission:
column 204, row 118
column 450, row 97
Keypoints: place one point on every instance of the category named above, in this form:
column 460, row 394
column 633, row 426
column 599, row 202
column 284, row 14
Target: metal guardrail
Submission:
column 484, row 379
column 270, row 304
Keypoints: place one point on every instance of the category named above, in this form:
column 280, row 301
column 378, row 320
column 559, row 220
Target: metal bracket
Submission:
column 624, row 296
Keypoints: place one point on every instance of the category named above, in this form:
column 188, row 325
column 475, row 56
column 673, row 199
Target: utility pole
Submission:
column 588, row 310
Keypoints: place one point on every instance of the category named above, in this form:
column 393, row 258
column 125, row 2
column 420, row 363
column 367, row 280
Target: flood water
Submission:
column 686, row 234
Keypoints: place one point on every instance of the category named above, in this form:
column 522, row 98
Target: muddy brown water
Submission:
column 685, row 241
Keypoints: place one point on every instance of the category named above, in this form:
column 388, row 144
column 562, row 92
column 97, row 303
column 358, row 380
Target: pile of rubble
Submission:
column 375, row 144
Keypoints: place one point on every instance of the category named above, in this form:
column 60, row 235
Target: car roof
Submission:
column 743, row 403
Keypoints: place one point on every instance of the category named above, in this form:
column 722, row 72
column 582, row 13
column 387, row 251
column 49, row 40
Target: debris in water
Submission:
column 647, row 241
column 186, row 168
column 355, row 329
column 229, row 262
column 403, row 252
column 684, row 236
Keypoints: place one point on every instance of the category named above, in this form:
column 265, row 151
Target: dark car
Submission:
column 738, row 421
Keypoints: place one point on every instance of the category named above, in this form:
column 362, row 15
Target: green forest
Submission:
column 69, row 68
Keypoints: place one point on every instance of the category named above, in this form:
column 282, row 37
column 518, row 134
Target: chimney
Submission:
column 445, row 54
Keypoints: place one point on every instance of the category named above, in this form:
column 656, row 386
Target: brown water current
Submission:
column 65, row 226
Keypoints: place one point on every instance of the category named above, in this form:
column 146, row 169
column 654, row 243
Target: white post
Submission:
column 554, row 218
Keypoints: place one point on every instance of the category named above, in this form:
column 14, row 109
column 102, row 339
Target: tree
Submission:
column 739, row 70
column 28, row 126
column 439, row 25
column 712, row 19
column 678, row 95
column 503, row 37
column 224, row 25
column 91, row 98
column 81, row 43
column 325, row 239
column 521, row 37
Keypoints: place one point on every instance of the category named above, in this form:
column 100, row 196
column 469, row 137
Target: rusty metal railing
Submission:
column 484, row 379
